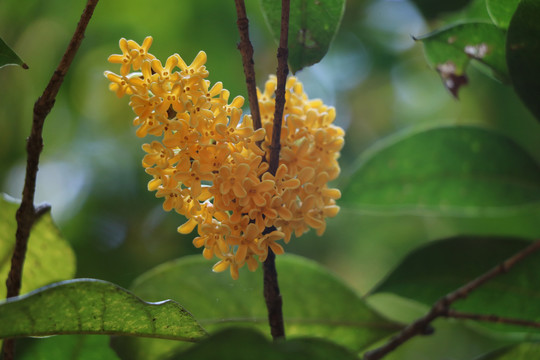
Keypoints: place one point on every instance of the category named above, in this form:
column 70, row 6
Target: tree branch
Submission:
column 441, row 307
column 271, row 287
column 282, row 72
column 246, row 49
column 27, row 214
column 491, row 318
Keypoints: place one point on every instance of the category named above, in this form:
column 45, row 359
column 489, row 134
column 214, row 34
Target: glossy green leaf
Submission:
column 525, row 351
column 315, row 303
column 450, row 50
column 49, row 257
column 431, row 9
column 454, row 170
column 8, row 56
column 523, row 53
column 440, row 267
column 73, row 347
column 246, row 344
column 501, row 11
column 312, row 26
column 88, row 306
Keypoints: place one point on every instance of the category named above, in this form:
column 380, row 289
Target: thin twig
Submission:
column 246, row 49
column 27, row 214
column 271, row 286
column 491, row 318
column 441, row 307
column 282, row 72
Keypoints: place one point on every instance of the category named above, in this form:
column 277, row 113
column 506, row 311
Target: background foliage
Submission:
column 374, row 74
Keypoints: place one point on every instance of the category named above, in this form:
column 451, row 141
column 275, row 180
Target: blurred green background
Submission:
column 375, row 75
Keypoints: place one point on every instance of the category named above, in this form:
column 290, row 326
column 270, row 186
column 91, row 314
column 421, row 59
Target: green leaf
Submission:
column 312, row 27
column 73, row 347
column 49, row 257
column 450, row 50
column 246, row 344
column 454, row 170
column 432, row 9
column 8, row 56
column 501, row 11
column 88, row 306
column 525, row 351
column 440, row 267
column 523, row 53
column 315, row 303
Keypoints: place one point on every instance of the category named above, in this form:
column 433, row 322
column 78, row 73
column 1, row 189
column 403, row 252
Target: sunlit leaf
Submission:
column 313, row 24
column 8, row 56
column 450, row 50
column 315, row 302
column 431, row 9
column 449, row 170
column 73, row 347
column 88, row 306
column 440, row 267
column 525, row 351
column 49, row 257
column 246, row 344
column 523, row 53
column 501, row 11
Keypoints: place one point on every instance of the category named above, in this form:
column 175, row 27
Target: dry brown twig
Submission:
column 442, row 307
column 27, row 213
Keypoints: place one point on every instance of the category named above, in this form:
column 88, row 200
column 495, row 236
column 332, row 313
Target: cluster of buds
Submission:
column 210, row 164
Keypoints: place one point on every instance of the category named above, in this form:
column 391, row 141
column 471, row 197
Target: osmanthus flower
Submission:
column 209, row 163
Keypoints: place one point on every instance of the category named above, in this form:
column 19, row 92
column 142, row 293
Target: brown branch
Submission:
column 441, row 307
column 27, row 214
column 246, row 49
column 282, row 71
column 272, row 294
column 491, row 318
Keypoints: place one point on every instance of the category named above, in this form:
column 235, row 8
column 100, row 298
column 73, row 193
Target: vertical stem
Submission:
column 246, row 49
column 271, row 287
column 282, row 71
column 27, row 214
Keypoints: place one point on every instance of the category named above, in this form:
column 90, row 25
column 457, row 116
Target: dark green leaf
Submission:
column 450, row 50
column 73, row 347
column 523, row 53
column 49, row 257
column 246, row 344
column 431, row 9
column 313, row 24
column 8, row 56
column 441, row 267
column 501, row 11
column 459, row 170
column 525, row 351
column 87, row 306
column 315, row 302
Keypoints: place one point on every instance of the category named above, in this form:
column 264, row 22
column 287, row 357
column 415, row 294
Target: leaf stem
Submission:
column 246, row 49
column 27, row 213
column 442, row 306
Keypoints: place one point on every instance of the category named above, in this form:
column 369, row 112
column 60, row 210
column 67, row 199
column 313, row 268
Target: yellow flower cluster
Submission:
column 209, row 163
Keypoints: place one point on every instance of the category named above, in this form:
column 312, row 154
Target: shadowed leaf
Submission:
column 448, row 170
column 523, row 53
column 440, row 267
column 313, row 24
column 316, row 303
